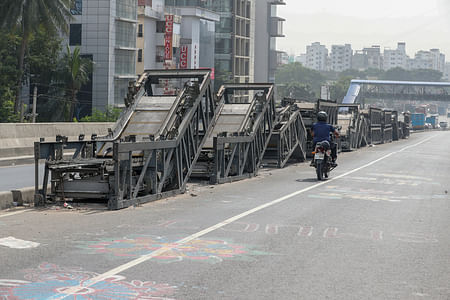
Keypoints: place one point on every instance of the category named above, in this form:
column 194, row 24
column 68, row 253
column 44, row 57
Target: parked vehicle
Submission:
column 418, row 121
column 322, row 160
column 444, row 125
column 433, row 120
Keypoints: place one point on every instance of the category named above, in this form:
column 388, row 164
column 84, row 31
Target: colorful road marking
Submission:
column 211, row 251
column 50, row 281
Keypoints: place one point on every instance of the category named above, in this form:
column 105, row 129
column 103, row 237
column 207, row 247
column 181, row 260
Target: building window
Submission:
column 160, row 27
column 125, row 34
column 139, row 59
column 75, row 35
column 77, row 7
column 126, row 9
column 140, row 30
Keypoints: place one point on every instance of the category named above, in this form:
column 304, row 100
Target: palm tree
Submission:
column 74, row 72
column 25, row 16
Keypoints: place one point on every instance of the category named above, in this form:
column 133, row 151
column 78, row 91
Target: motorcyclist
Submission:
column 321, row 132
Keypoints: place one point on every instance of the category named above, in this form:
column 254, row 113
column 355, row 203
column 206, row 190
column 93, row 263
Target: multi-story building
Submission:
column 316, row 57
column 422, row 60
column 396, row 58
column 150, row 16
column 235, row 36
column 446, row 75
column 438, row 59
column 367, row 58
column 374, row 57
column 175, row 37
column 268, row 27
column 197, row 44
column 341, row 57
column 106, row 32
column 431, row 60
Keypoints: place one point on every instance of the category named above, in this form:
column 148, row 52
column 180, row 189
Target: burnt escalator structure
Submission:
column 235, row 148
column 289, row 137
column 150, row 152
column 309, row 112
column 354, row 127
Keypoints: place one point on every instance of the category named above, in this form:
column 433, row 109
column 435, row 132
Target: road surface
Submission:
column 378, row 229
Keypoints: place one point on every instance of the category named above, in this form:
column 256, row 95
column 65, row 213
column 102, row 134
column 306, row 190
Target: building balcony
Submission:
column 276, row 27
column 277, row 2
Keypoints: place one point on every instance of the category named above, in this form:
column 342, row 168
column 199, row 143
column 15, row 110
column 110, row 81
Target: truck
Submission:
column 433, row 120
column 418, row 121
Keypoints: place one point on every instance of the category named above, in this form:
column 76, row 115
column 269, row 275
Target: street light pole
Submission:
column 34, row 103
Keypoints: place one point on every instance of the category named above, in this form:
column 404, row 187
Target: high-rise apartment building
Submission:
column 396, row 58
column 106, row 32
column 341, row 57
column 316, row 57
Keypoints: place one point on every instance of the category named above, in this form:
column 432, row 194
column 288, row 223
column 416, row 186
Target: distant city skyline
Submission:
column 423, row 25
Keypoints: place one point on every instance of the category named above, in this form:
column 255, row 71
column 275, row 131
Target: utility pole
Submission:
column 34, row 103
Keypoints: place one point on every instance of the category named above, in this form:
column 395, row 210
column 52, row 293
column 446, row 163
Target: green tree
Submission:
column 7, row 106
column 412, row 75
column 296, row 90
column 111, row 114
column 27, row 15
column 73, row 73
column 295, row 75
column 339, row 89
column 9, row 42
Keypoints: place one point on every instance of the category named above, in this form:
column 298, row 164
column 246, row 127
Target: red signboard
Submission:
column 168, row 50
column 183, row 57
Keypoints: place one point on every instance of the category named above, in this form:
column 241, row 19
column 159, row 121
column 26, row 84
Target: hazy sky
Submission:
column 422, row 24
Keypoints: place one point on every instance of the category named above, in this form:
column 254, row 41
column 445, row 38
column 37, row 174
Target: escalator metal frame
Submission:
column 166, row 160
column 239, row 155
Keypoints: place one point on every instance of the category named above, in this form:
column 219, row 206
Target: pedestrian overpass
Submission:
column 360, row 90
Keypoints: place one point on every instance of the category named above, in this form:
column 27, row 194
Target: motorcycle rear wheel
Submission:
column 319, row 169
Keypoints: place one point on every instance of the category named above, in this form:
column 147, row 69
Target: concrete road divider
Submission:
column 19, row 197
column 6, row 200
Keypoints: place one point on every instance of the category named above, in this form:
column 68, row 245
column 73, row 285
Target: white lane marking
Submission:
column 74, row 290
column 14, row 243
column 15, row 213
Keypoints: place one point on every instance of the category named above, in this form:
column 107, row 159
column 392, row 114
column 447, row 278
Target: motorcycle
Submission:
column 323, row 160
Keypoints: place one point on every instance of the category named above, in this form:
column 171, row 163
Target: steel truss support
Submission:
column 288, row 138
column 239, row 155
column 137, row 172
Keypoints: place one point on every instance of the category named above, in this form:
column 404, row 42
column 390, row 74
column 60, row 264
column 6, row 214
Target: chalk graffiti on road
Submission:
column 211, row 250
column 309, row 231
column 50, row 281
column 14, row 243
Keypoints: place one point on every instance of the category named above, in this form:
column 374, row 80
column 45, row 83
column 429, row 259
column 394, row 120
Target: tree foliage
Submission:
column 73, row 72
column 9, row 42
column 300, row 81
column 111, row 114
column 26, row 16
column 412, row 75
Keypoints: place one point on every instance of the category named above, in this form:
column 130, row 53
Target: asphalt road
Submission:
column 17, row 177
column 378, row 229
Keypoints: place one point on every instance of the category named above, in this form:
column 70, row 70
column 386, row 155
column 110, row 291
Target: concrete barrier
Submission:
column 6, row 200
column 17, row 139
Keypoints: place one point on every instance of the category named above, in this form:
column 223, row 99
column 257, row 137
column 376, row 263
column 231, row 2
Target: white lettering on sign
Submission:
column 183, row 57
